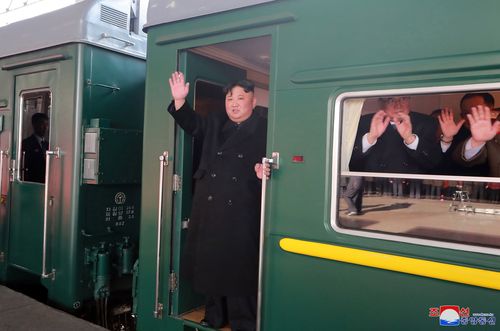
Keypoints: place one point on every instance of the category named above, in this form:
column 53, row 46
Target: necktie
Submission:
column 44, row 145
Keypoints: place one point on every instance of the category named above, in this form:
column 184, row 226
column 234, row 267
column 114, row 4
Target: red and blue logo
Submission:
column 453, row 315
column 449, row 315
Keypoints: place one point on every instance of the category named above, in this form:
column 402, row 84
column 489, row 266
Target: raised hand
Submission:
column 178, row 88
column 404, row 127
column 448, row 126
column 378, row 125
column 480, row 125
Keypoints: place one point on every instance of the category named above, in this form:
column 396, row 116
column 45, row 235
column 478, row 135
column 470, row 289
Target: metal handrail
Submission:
column 48, row 155
column 273, row 164
column 2, row 155
column 126, row 42
column 157, row 313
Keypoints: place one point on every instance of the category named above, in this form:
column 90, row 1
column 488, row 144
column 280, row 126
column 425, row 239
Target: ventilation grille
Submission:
column 114, row 17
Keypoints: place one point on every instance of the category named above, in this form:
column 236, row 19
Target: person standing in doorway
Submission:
column 222, row 250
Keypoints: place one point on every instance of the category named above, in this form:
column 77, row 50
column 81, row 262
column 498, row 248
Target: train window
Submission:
column 420, row 165
column 34, row 134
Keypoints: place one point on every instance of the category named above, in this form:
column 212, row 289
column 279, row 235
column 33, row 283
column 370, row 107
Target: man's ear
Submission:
column 254, row 102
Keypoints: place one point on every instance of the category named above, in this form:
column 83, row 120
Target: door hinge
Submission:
column 176, row 183
column 2, row 257
column 12, row 170
column 275, row 160
column 172, row 282
column 185, row 223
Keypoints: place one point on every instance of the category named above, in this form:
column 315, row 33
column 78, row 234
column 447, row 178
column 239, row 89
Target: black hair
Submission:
column 383, row 101
column 38, row 118
column 488, row 99
column 246, row 85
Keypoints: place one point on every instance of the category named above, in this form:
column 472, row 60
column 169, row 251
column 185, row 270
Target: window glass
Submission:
column 423, row 166
column 34, row 134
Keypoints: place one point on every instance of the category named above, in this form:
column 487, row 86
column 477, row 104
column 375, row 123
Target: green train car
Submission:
column 424, row 252
column 69, row 219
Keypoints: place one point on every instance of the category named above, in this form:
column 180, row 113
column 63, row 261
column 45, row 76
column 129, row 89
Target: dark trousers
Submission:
column 353, row 195
column 241, row 312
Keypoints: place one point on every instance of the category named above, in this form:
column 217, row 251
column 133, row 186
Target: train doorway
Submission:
column 32, row 139
column 209, row 69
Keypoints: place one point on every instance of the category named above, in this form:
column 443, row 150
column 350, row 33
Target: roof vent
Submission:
column 114, row 17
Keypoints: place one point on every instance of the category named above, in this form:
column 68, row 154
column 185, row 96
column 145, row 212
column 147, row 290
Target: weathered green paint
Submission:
column 77, row 217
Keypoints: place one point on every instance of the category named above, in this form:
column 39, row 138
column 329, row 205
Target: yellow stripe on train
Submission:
column 448, row 272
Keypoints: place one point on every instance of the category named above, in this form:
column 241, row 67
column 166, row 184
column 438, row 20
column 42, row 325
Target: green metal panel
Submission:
column 86, row 83
column 106, row 156
column 26, row 199
column 114, row 88
column 26, row 229
column 318, row 294
column 158, row 138
column 7, row 94
column 112, row 104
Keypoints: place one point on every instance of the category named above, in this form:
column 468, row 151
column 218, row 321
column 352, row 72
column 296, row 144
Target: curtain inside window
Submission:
column 351, row 113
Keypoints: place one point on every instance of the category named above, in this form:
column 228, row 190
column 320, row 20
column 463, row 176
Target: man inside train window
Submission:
column 473, row 140
column 222, row 250
column 483, row 146
column 395, row 139
column 34, row 148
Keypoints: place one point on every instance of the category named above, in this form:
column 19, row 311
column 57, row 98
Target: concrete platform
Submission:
column 19, row 312
column 425, row 218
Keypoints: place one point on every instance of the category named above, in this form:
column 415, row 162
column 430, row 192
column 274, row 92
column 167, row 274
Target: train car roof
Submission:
column 104, row 23
column 165, row 11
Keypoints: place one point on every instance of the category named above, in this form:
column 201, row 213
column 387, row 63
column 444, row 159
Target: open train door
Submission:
column 207, row 78
column 170, row 302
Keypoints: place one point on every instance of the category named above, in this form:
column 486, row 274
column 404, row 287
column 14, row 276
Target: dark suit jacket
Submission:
column 222, row 248
column 488, row 156
column 34, row 159
column 390, row 154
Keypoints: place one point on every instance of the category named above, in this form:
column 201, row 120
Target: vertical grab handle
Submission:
column 274, row 164
column 2, row 155
column 158, row 306
column 48, row 155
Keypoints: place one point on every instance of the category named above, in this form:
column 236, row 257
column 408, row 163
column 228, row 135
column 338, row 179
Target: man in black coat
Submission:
column 396, row 140
column 222, row 250
column 34, row 148
column 455, row 140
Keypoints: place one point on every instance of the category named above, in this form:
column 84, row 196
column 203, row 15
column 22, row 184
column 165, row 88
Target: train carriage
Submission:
column 409, row 261
column 69, row 234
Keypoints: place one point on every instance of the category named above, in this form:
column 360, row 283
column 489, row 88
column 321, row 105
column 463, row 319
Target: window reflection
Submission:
column 35, row 134
column 455, row 211
column 422, row 166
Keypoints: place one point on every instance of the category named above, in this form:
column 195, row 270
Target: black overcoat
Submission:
column 390, row 154
column 34, row 159
column 221, row 255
